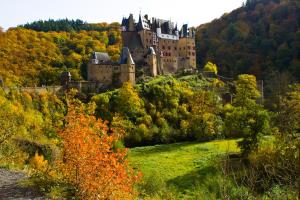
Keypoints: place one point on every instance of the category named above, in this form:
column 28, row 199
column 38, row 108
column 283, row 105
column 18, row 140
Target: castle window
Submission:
column 189, row 47
column 146, row 40
column 194, row 48
column 193, row 53
column 175, row 48
column 169, row 47
column 163, row 47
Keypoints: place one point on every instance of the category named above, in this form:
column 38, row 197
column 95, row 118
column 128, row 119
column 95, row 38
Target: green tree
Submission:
column 287, row 119
column 246, row 118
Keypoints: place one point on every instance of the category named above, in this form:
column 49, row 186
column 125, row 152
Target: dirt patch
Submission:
column 10, row 189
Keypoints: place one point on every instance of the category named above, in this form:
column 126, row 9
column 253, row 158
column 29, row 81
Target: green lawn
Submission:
column 185, row 167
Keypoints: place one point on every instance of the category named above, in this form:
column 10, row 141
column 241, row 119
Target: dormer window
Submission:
column 95, row 61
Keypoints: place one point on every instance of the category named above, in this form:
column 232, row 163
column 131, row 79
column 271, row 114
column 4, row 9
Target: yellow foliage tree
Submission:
column 211, row 67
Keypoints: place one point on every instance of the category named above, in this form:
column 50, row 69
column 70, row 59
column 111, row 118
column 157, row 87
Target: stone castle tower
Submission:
column 157, row 45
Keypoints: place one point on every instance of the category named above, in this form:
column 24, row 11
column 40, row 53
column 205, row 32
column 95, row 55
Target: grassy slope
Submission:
column 183, row 166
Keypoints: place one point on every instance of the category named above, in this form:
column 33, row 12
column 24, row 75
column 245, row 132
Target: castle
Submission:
column 150, row 47
column 172, row 50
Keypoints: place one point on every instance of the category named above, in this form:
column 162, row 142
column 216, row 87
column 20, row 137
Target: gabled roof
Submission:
column 125, row 22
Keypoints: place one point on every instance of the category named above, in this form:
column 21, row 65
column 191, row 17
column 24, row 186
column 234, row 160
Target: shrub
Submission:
column 89, row 161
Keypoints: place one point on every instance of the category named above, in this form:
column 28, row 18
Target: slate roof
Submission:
column 101, row 57
column 126, row 56
column 151, row 51
column 184, row 31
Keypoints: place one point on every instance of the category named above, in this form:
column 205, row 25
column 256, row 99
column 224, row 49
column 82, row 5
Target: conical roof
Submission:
column 126, row 57
column 151, row 51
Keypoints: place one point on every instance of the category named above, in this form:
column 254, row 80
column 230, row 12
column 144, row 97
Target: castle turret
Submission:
column 127, row 73
column 187, row 51
column 152, row 61
column 131, row 24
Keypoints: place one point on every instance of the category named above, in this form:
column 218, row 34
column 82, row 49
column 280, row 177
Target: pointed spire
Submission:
column 140, row 18
column 126, row 57
column 151, row 51
column 140, row 23
column 129, row 58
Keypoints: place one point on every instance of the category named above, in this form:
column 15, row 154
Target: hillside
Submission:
column 258, row 38
column 30, row 57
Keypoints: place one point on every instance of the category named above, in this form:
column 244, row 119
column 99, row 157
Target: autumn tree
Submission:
column 90, row 162
column 246, row 118
column 10, row 118
column 246, row 91
column 128, row 101
column 204, row 120
column 211, row 67
column 287, row 119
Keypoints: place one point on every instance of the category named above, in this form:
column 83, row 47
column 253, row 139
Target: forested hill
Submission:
column 262, row 36
column 69, row 25
column 37, row 53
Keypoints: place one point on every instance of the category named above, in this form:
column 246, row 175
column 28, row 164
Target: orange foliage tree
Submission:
column 90, row 161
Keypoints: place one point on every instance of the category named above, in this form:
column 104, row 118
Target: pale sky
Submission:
column 193, row 12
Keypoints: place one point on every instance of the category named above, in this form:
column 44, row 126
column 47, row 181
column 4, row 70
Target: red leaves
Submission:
column 90, row 163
